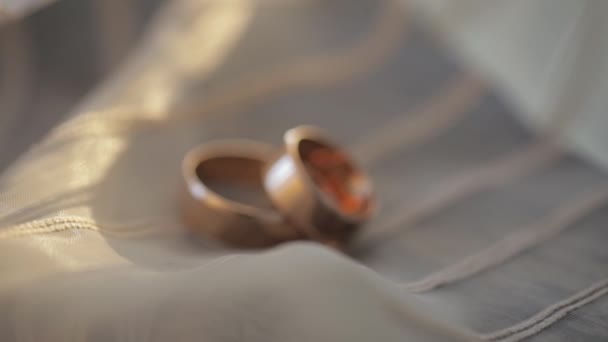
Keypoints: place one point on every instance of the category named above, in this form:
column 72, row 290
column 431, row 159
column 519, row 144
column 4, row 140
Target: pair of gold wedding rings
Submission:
column 312, row 190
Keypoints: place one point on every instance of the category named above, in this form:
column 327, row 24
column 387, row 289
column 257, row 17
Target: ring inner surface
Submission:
column 238, row 179
column 334, row 174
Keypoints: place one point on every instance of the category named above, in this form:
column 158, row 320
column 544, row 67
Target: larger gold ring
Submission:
column 234, row 222
column 317, row 186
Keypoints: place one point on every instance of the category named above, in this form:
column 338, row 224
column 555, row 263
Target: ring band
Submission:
column 317, row 186
column 238, row 223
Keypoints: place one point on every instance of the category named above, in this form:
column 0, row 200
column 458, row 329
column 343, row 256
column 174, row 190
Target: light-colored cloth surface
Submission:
column 547, row 57
column 485, row 231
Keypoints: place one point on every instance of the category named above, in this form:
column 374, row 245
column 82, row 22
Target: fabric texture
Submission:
column 486, row 230
column 546, row 56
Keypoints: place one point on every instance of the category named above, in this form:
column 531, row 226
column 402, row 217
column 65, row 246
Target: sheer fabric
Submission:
column 485, row 231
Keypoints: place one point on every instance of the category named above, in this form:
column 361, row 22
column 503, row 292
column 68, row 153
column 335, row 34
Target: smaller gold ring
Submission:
column 317, row 186
column 234, row 222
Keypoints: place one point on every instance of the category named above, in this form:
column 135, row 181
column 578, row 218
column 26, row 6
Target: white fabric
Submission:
column 548, row 56
column 94, row 279
column 92, row 247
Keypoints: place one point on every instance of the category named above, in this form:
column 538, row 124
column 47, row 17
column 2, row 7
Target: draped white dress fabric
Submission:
column 486, row 231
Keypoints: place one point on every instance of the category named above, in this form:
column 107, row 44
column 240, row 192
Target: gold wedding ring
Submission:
column 310, row 190
column 318, row 187
column 229, row 164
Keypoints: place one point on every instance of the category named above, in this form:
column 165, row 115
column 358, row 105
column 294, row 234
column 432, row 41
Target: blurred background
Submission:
column 53, row 53
column 544, row 58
